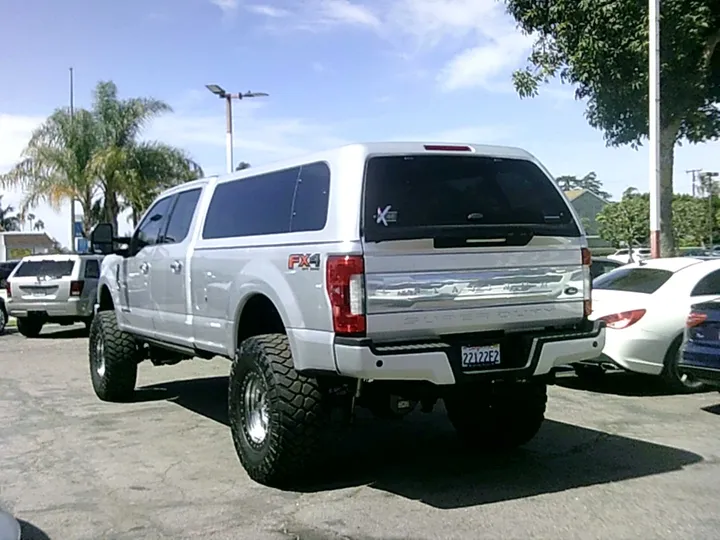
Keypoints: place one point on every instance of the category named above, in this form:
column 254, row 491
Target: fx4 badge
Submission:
column 304, row 261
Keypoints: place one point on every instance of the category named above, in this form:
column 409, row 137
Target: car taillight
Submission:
column 695, row 319
column 345, row 282
column 76, row 288
column 587, row 281
column 8, row 289
column 618, row 321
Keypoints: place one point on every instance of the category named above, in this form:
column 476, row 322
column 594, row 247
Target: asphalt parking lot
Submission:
column 623, row 460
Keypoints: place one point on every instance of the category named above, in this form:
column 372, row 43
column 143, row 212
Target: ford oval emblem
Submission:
column 571, row 290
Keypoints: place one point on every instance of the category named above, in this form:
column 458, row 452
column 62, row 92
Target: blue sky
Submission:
column 336, row 70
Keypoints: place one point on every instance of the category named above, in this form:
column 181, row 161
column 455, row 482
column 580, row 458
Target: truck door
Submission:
column 136, row 269
column 170, row 272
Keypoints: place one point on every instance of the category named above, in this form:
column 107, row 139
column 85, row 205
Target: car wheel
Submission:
column 113, row 356
column 673, row 375
column 29, row 327
column 277, row 416
column 3, row 320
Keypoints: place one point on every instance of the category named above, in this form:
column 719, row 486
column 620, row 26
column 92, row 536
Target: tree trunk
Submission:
column 668, row 136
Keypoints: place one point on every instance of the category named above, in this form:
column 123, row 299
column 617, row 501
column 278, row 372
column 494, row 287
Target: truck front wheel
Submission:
column 498, row 416
column 113, row 359
column 277, row 416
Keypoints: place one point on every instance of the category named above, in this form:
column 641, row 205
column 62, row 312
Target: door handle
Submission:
column 144, row 268
column 176, row 266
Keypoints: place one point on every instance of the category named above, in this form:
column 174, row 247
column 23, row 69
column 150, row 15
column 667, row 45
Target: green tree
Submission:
column 242, row 166
column 601, row 48
column 691, row 220
column 56, row 164
column 97, row 157
column 9, row 221
column 589, row 182
column 626, row 222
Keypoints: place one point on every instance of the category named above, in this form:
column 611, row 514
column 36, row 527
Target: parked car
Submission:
column 645, row 306
column 52, row 289
column 6, row 268
column 4, row 315
column 602, row 265
column 623, row 255
column 374, row 275
column 701, row 348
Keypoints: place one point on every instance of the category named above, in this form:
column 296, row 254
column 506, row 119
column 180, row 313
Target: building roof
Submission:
column 574, row 194
column 20, row 239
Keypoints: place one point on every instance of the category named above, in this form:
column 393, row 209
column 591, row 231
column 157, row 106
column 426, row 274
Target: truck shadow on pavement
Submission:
column 420, row 458
column 712, row 409
column 619, row 384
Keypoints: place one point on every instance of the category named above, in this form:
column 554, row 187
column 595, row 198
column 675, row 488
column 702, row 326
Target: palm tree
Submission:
column 55, row 165
column 128, row 169
column 242, row 166
column 9, row 221
column 39, row 225
column 95, row 156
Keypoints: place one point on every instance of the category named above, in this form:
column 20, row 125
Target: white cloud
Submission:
column 15, row 132
column 346, row 12
column 267, row 10
column 228, row 7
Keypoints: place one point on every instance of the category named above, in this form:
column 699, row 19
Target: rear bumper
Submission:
column 702, row 363
column 73, row 308
column 439, row 362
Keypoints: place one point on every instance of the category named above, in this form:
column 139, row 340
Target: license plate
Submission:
column 481, row 356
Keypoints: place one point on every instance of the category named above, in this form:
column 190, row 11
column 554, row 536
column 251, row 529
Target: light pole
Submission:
column 654, row 125
column 222, row 94
column 707, row 179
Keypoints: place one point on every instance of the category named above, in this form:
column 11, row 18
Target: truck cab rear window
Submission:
column 406, row 194
column 49, row 268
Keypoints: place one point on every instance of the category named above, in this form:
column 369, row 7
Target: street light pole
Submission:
column 228, row 97
column 654, row 125
column 72, row 195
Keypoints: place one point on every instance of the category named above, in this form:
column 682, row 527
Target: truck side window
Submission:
column 252, row 206
column 310, row 206
column 181, row 217
column 154, row 221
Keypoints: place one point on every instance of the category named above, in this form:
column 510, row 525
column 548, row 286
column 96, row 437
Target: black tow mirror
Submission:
column 102, row 238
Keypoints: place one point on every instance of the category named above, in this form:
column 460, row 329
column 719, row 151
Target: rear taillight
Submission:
column 345, row 282
column 8, row 289
column 695, row 319
column 618, row 321
column 76, row 288
column 587, row 281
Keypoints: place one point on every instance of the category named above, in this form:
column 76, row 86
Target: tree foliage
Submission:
column 601, row 47
column 626, row 222
column 9, row 221
column 242, row 166
column 589, row 182
column 97, row 157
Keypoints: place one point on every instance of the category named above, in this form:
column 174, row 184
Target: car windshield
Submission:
column 45, row 268
column 637, row 280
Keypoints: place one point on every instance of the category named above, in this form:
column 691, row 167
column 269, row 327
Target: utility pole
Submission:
column 654, row 131
column 72, row 195
column 694, row 173
column 222, row 94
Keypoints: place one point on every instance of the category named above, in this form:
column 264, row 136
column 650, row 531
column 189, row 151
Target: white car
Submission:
column 645, row 306
column 623, row 255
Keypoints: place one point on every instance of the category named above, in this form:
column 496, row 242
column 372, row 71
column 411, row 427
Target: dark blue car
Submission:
column 701, row 350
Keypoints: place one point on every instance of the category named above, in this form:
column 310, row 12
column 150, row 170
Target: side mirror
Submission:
column 102, row 238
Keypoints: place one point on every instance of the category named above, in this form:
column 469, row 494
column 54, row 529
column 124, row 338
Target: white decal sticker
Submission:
column 386, row 215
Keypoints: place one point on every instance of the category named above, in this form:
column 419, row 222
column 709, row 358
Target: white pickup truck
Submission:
column 383, row 275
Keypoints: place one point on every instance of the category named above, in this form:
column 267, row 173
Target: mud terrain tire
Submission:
column 113, row 359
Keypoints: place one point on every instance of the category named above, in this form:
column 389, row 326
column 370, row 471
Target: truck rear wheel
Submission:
column 113, row 359
column 29, row 326
column 497, row 416
column 277, row 416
